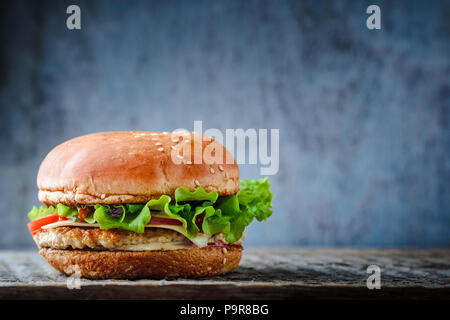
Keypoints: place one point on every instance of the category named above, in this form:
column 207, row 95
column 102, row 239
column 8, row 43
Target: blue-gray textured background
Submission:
column 363, row 115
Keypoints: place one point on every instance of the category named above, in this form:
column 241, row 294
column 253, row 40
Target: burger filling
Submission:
column 115, row 239
column 192, row 218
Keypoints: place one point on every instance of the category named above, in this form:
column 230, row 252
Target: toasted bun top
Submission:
column 134, row 167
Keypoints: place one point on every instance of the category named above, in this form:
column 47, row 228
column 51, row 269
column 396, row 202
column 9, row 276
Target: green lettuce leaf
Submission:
column 214, row 222
column 200, row 201
column 90, row 220
column 65, row 211
column 255, row 198
column 41, row 212
column 184, row 195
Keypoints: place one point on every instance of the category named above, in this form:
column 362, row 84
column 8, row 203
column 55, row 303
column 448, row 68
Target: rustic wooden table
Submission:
column 262, row 274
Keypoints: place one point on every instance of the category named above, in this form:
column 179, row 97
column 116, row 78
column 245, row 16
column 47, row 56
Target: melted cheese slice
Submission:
column 201, row 240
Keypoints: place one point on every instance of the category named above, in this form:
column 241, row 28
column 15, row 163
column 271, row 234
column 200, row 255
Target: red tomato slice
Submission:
column 82, row 212
column 36, row 225
column 159, row 221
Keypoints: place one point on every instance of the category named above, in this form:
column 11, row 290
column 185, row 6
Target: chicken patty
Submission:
column 113, row 239
column 116, row 239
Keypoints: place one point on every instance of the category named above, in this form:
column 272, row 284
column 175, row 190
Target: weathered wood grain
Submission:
column 262, row 274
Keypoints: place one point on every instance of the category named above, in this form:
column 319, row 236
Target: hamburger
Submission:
column 128, row 205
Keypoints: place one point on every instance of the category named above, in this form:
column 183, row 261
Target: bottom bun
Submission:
column 185, row 263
